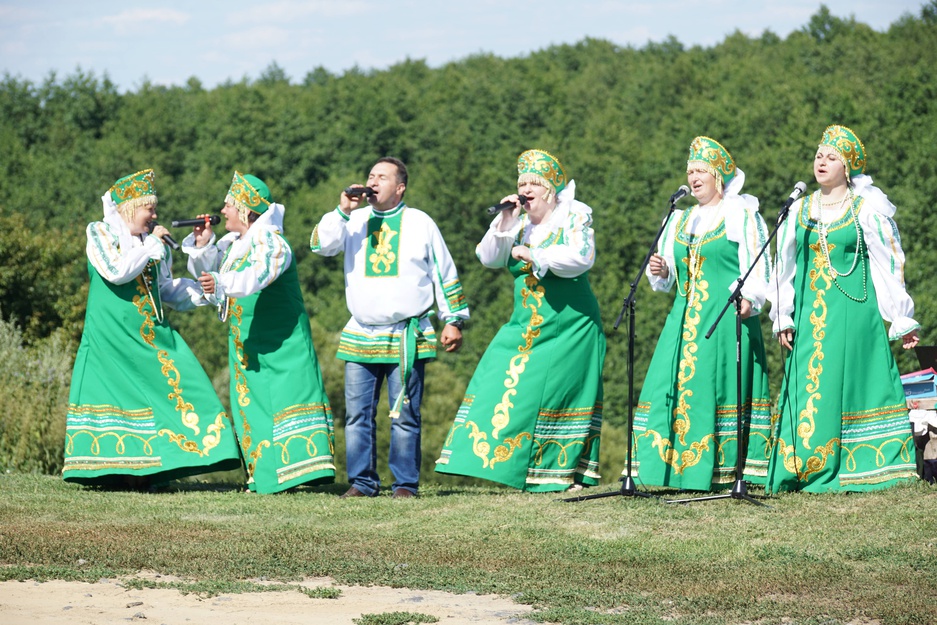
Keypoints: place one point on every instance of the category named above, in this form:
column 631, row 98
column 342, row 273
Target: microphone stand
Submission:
column 739, row 488
column 627, row 482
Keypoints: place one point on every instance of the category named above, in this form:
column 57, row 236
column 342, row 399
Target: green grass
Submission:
column 213, row 588
column 395, row 618
column 825, row 559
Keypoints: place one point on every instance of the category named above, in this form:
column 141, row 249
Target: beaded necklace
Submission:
column 223, row 309
column 148, row 284
column 860, row 242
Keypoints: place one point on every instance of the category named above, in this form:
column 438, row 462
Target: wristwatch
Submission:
column 457, row 322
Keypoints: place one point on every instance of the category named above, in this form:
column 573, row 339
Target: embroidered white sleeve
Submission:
column 178, row 293
column 748, row 229
column 201, row 259
column 665, row 250
column 781, row 286
column 116, row 265
column 268, row 256
column 494, row 250
column 328, row 237
column 573, row 254
column 887, row 268
column 448, row 287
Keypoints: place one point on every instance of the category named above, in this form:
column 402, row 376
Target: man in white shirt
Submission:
column 396, row 264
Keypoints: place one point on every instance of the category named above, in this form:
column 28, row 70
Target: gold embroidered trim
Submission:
column 240, row 385
column 173, row 378
column 383, row 252
column 806, row 425
column 697, row 289
column 531, row 298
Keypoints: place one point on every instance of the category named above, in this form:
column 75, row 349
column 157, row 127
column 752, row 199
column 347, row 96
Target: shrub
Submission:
column 35, row 379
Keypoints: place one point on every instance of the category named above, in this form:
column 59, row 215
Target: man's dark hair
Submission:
column 401, row 168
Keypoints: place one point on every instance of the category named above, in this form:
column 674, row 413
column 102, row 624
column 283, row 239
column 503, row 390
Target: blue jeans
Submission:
column 362, row 393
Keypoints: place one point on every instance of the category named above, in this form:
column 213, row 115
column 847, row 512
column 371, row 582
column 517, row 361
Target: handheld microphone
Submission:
column 166, row 238
column 356, row 191
column 681, row 193
column 799, row 189
column 198, row 221
column 493, row 210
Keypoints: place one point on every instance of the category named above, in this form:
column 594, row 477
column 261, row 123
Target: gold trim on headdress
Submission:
column 542, row 168
column 714, row 158
column 848, row 146
column 131, row 192
column 249, row 193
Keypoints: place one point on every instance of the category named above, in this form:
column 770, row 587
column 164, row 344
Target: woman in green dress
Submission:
column 141, row 410
column 281, row 412
column 686, row 423
column 842, row 420
column 532, row 413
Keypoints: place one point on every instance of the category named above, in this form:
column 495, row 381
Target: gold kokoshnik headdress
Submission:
column 848, row 146
column 133, row 191
column 249, row 194
column 710, row 155
column 539, row 167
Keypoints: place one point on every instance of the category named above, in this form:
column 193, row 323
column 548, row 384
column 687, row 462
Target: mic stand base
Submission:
column 739, row 491
column 627, row 490
column 627, row 482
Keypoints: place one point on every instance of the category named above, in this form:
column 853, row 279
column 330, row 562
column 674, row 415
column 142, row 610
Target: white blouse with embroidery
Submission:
column 744, row 226
column 886, row 260
column 262, row 248
column 120, row 257
column 564, row 243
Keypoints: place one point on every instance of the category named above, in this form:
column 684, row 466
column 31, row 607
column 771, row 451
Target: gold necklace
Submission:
column 694, row 260
column 835, row 202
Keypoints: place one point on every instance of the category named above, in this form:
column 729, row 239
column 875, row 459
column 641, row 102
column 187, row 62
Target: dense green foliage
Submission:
column 619, row 118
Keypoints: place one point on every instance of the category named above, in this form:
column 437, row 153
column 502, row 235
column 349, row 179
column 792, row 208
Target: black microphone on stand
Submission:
column 799, row 189
column 493, row 210
column 166, row 238
column 681, row 193
column 198, row 221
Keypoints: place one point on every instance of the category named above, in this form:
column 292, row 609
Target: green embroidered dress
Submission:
column 140, row 403
column 532, row 413
column 842, row 418
column 281, row 412
column 685, row 424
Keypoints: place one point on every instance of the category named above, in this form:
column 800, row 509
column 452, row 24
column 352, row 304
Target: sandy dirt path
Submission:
column 109, row 602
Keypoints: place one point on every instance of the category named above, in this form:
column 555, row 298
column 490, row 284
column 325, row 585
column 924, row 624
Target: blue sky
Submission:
column 169, row 42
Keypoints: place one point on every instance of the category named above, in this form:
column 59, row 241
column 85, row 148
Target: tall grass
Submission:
column 856, row 559
column 34, row 381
